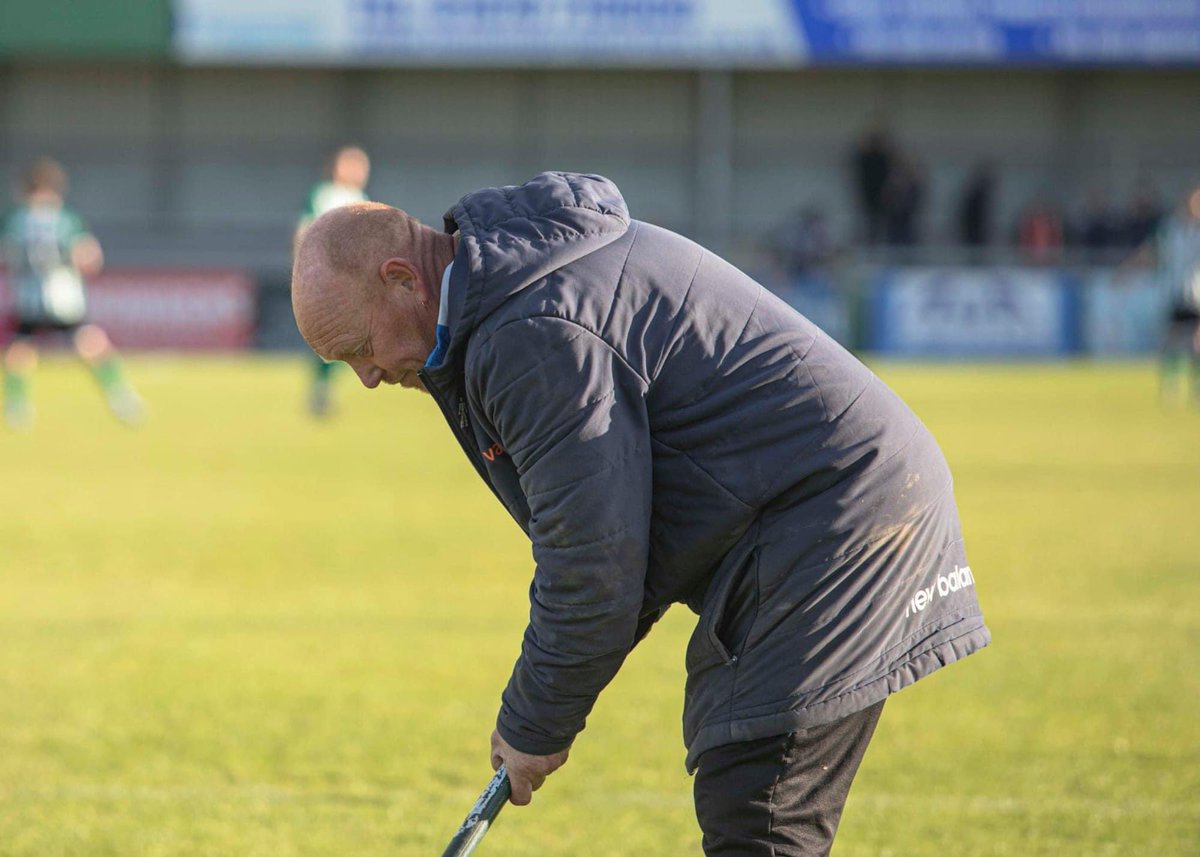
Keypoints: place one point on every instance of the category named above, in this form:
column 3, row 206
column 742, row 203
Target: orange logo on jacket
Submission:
column 493, row 451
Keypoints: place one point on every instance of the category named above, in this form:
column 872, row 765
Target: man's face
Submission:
column 387, row 340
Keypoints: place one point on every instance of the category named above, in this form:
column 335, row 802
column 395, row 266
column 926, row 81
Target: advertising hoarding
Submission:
column 169, row 309
column 1123, row 314
column 489, row 32
column 968, row 312
column 1000, row 32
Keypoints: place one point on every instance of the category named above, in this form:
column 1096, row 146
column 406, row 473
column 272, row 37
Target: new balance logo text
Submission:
column 958, row 579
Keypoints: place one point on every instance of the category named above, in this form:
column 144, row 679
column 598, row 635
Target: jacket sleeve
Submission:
column 572, row 415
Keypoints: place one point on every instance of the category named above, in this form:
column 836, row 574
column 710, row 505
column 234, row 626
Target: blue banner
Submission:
column 1000, row 32
column 1123, row 314
column 974, row 312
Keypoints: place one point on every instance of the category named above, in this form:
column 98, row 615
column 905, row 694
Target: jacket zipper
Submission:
column 459, row 428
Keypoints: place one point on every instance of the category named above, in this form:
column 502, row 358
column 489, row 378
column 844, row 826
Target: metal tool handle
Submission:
column 481, row 816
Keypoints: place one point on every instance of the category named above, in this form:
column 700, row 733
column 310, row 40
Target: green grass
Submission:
column 240, row 632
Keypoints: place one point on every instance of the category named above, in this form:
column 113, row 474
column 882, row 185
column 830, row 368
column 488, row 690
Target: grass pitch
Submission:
column 238, row 631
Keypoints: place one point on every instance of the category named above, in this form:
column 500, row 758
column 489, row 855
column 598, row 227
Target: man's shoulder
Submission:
column 518, row 326
column 599, row 294
column 520, row 339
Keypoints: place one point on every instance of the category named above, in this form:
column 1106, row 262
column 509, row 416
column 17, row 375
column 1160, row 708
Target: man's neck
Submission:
column 436, row 256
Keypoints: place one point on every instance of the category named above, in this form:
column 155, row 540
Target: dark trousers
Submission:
column 781, row 796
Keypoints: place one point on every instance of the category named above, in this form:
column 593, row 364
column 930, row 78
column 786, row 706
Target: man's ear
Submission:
column 398, row 272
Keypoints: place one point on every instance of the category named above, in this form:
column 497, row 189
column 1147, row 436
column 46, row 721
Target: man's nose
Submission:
column 369, row 375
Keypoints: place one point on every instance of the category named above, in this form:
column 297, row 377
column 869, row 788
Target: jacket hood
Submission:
column 512, row 236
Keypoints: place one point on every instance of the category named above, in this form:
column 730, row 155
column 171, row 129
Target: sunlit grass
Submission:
column 237, row 631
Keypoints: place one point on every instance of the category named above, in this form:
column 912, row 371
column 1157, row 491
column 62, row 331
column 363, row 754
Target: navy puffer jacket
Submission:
column 666, row 430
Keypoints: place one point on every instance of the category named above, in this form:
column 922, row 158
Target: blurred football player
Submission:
column 50, row 253
column 349, row 170
column 1174, row 251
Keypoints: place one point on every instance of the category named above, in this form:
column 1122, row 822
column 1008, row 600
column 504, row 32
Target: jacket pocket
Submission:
column 736, row 614
column 730, row 608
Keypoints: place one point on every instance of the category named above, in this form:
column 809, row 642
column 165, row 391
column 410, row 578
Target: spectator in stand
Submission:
column 874, row 158
column 1143, row 217
column 802, row 244
column 1099, row 229
column 903, row 197
column 975, row 207
column 1040, row 234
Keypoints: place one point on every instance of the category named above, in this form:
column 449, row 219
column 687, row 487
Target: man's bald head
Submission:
column 351, row 240
column 336, row 272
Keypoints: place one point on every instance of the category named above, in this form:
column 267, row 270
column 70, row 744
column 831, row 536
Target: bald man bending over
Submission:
column 664, row 430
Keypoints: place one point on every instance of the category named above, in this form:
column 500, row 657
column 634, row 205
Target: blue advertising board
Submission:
column 1000, row 32
column 973, row 312
column 1123, row 314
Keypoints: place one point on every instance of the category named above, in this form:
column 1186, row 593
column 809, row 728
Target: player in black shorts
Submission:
column 49, row 252
column 1176, row 253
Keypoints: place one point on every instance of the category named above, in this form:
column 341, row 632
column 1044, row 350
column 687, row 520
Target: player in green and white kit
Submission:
column 1174, row 251
column 49, row 252
column 349, row 170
